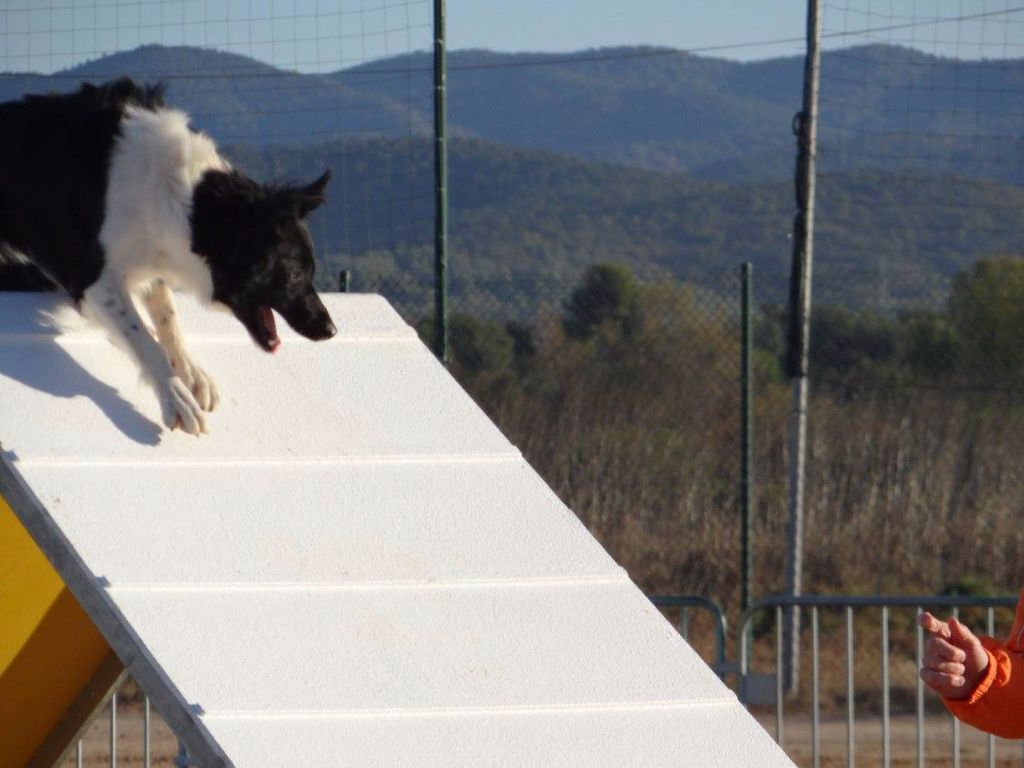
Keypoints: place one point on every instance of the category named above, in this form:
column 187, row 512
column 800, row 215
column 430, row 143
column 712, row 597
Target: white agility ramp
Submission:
column 354, row 568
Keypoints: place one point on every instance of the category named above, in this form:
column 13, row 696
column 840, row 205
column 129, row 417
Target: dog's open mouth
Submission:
column 268, row 338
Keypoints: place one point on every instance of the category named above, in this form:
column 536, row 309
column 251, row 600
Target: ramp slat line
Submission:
column 398, row 458
column 311, row 586
column 539, row 709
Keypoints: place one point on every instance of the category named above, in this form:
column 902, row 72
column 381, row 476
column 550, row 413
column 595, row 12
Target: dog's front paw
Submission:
column 199, row 383
column 204, row 389
column 180, row 408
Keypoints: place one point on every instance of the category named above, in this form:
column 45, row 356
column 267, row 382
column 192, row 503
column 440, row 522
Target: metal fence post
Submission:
column 851, row 724
column 815, row 692
column 113, row 731
column 990, row 740
column 146, row 725
column 806, row 126
column 886, row 692
column 956, row 721
column 440, row 186
column 919, row 689
column 746, row 433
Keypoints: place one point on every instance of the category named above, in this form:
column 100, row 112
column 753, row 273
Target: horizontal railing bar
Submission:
column 878, row 601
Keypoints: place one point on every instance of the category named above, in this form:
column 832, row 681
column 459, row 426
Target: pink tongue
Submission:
column 267, row 318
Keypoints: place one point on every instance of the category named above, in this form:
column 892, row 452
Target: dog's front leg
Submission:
column 160, row 304
column 111, row 303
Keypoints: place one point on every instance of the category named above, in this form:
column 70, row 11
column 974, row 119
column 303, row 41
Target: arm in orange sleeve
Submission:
column 996, row 705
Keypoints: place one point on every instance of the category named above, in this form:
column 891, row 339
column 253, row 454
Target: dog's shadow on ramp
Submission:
column 46, row 366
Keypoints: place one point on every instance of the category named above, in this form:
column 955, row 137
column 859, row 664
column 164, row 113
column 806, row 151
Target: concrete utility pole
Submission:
column 806, row 129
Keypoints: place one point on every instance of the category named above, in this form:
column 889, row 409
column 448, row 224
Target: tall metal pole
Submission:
column 746, row 433
column 806, row 129
column 440, row 186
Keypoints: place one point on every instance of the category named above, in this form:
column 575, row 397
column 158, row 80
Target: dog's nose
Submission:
column 321, row 331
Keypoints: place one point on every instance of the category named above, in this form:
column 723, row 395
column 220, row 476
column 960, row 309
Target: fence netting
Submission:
column 618, row 373
column 917, row 369
column 920, row 115
column 286, row 88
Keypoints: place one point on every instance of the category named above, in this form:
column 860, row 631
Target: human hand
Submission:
column 954, row 658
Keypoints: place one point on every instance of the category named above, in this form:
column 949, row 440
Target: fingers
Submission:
column 943, row 683
column 945, row 650
column 942, row 664
column 934, row 625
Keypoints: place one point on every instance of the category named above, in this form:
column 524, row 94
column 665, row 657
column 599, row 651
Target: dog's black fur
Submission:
column 278, row 271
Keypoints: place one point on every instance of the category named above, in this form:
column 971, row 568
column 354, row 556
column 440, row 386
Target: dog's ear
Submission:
column 311, row 197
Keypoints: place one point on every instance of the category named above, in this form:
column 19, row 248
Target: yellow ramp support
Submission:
column 55, row 666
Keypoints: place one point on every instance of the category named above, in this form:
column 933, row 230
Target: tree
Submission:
column 927, row 343
column 479, row 345
column 986, row 307
column 608, row 295
column 851, row 345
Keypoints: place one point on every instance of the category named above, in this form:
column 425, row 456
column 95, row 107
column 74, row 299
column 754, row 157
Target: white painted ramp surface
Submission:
column 354, row 568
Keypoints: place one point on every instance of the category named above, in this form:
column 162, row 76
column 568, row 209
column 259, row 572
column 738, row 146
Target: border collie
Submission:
column 110, row 195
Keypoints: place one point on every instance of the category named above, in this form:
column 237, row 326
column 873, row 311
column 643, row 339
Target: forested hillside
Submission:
column 523, row 214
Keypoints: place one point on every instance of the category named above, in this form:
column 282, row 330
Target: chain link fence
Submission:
column 623, row 390
column 917, row 332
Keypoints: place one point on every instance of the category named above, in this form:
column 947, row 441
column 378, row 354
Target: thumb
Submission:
column 962, row 636
column 977, row 658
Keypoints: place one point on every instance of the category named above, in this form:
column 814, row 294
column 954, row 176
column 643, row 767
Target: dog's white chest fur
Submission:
column 156, row 162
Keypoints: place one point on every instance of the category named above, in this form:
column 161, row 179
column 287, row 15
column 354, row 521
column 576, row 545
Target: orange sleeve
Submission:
column 996, row 705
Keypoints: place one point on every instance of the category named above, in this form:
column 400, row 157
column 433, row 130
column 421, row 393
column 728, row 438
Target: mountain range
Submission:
column 647, row 107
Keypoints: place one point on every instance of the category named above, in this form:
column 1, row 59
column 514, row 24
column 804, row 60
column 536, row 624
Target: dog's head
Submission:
column 255, row 240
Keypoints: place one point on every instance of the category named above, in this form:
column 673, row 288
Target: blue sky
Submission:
column 568, row 25
column 324, row 35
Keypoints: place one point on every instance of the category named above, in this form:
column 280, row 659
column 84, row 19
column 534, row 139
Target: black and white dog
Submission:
column 111, row 196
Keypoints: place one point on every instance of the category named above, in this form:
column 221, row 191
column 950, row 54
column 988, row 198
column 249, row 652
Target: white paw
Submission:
column 180, row 408
column 199, row 383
